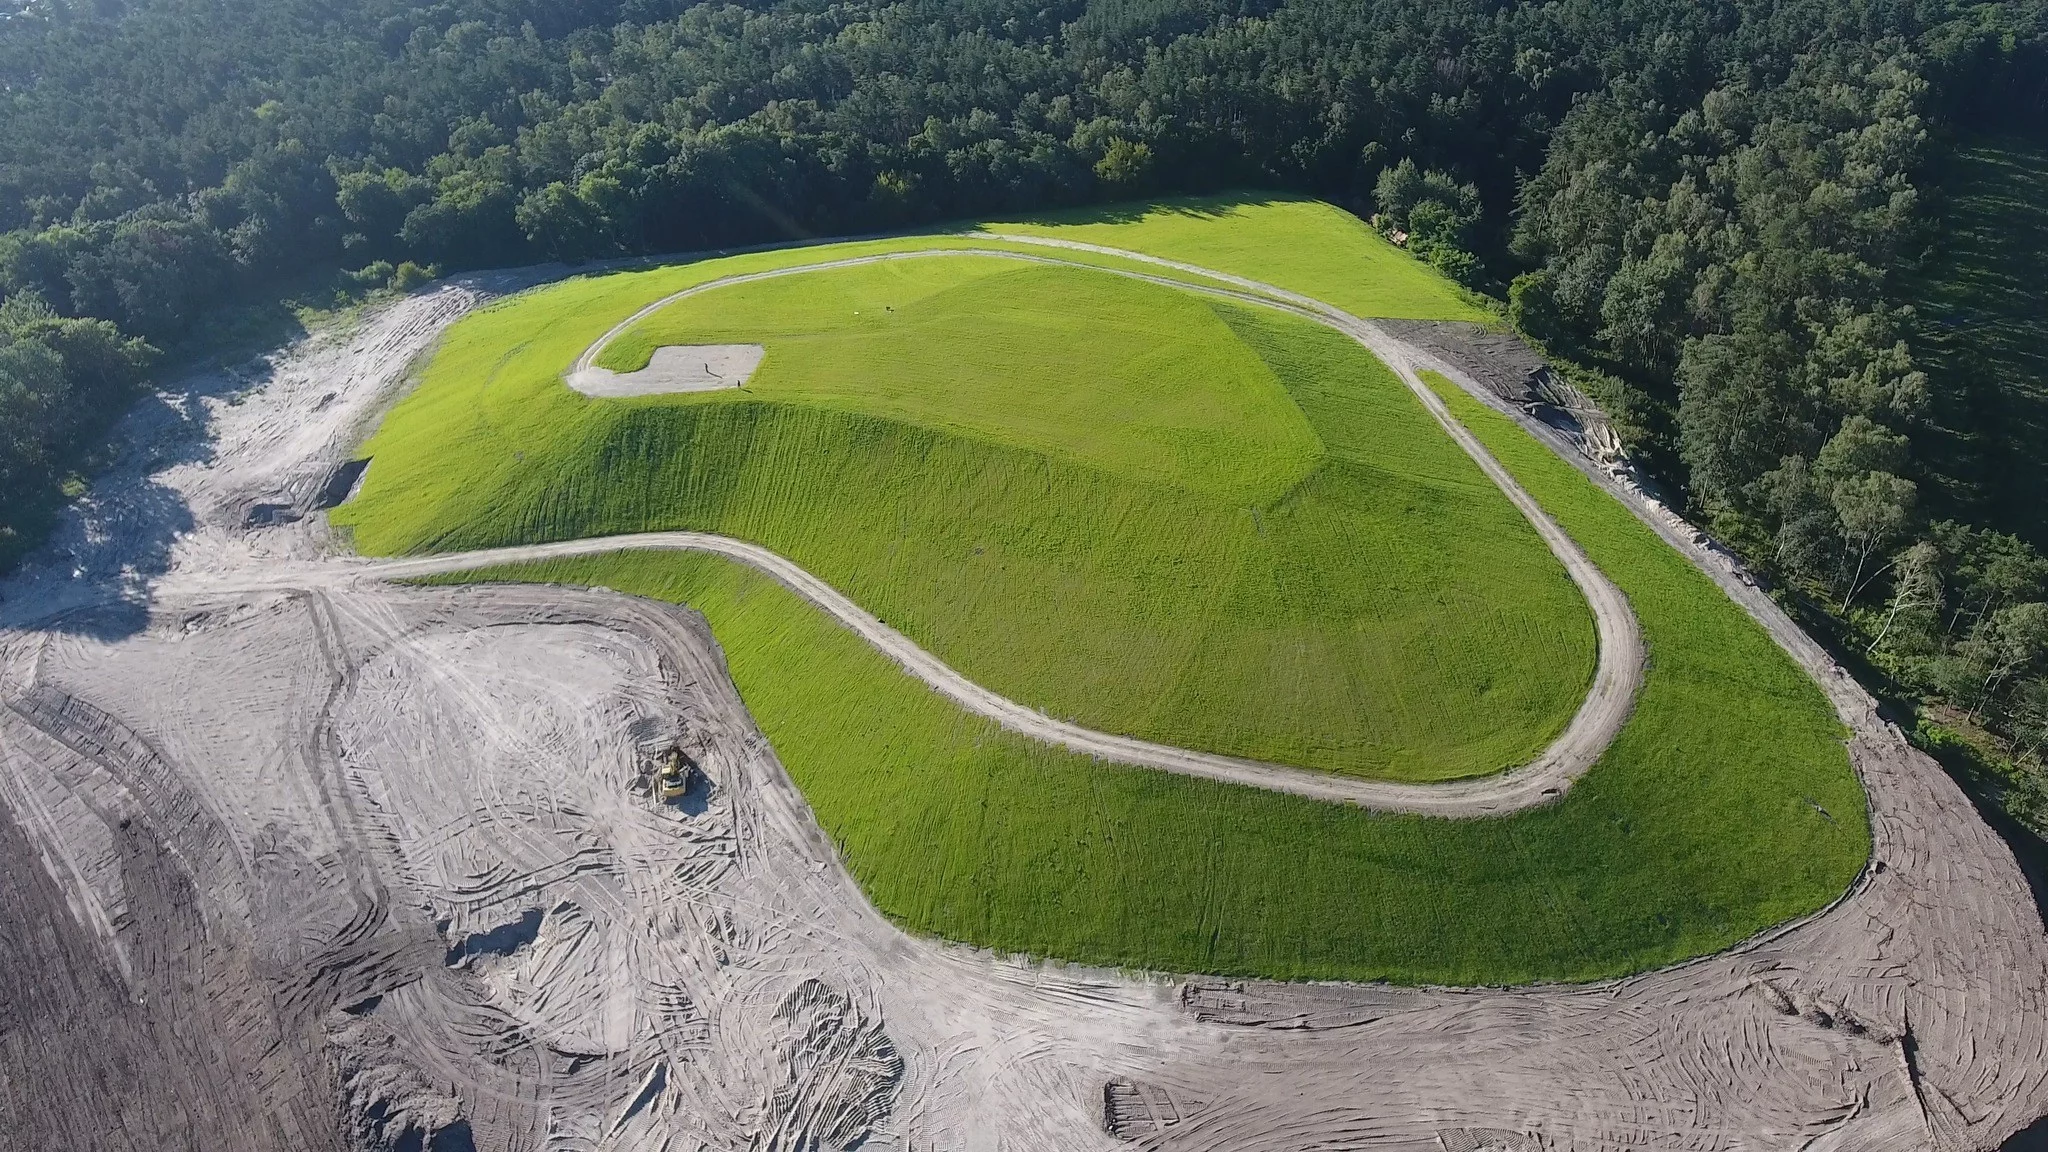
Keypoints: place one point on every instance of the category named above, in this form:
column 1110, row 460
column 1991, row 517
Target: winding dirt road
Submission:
column 1600, row 717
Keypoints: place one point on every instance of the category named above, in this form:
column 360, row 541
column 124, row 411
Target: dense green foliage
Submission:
column 1717, row 187
column 1117, row 502
column 1983, row 338
column 62, row 381
column 1865, row 424
column 1727, row 804
column 1965, row 619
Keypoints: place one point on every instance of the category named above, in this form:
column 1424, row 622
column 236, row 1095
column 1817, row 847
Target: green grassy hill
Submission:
column 1726, row 805
column 1117, row 502
column 1983, row 305
column 1127, row 378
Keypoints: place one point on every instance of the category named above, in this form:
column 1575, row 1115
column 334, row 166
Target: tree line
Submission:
column 1702, row 208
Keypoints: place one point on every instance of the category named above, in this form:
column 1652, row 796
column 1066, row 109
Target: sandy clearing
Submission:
column 671, row 368
column 314, row 780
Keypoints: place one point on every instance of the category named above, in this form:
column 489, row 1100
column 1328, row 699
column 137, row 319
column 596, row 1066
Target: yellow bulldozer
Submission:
column 678, row 773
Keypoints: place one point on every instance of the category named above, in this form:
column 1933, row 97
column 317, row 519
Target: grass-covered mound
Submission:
column 1125, row 377
column 1126, row 505
column 1726, row 805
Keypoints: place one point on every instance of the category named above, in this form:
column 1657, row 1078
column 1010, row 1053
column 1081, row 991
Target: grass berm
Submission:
column 1726, row 804
column 1122, row 504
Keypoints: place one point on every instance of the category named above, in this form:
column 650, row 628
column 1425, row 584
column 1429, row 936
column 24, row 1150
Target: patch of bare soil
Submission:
column 116, row 1035
column 673, row 368
column 1506, row 370
column 353, row 865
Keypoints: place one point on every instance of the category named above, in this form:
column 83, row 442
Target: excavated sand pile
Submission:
column 338, row 864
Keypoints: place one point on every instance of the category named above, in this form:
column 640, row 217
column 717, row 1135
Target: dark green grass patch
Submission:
column 1983, row 338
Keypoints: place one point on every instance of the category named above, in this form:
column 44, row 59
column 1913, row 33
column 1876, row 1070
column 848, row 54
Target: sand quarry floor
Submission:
column 301, row 859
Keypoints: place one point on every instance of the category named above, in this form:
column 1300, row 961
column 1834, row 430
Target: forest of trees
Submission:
column 1704, row 208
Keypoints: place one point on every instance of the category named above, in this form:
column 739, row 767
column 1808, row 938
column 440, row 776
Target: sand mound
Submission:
column 674, row 368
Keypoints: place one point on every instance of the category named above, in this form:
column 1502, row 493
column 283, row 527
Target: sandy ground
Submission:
column 671, row 368
column 351, row 865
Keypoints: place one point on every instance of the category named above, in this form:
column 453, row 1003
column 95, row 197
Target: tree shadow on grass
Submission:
column 1982, row 336
column 1213, row 206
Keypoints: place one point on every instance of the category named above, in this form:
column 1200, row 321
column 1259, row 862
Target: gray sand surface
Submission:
column 353, row 865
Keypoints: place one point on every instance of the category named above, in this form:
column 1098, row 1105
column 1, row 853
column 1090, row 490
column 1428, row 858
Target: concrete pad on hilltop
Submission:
column 674, row 368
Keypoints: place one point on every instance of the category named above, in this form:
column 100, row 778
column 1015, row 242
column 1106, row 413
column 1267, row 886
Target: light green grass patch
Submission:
column 1304, row 246
column 1387, row 613
column 1114, row 373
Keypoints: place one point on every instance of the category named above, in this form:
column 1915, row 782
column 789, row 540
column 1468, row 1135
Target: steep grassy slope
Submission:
column 1121, row 504
column 1983, row 304
column 1727, row 804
